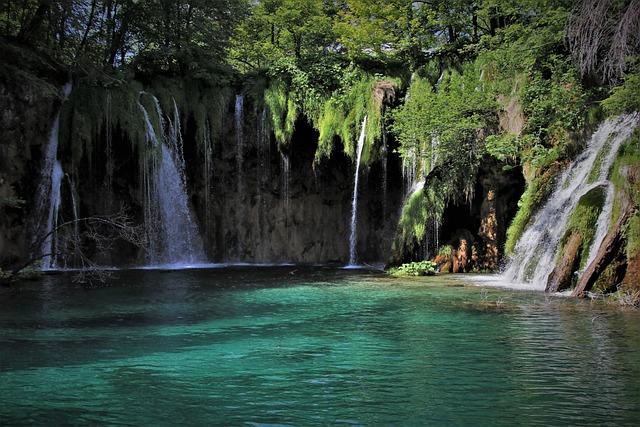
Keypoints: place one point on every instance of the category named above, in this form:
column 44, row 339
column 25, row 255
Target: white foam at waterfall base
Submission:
column 536, row 251
column 353, row 238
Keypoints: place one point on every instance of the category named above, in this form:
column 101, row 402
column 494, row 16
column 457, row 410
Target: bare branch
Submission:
column 74, row 238
column 602, row 35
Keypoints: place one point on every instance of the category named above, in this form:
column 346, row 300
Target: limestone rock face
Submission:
column 511, row 116
column 28, row 105
column 271, row 212
column 489, row 231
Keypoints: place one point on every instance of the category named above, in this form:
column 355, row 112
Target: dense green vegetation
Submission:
column 452, row 81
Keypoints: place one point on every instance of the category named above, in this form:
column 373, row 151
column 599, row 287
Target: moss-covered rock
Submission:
column 583, row 221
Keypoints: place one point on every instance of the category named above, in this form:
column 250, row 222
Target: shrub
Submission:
column 420, row 268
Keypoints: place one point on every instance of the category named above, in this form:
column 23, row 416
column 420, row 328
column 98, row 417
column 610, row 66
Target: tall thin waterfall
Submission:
column 385, row 173
column 108, row 127
column 435, row 142
column 173, row 234
column 239, row 212
column 353, row 238
column 48, row 194
column 263, row 178
column 208, row 171
column 409, row 170
column 286, row 184
column 535, row 252
column 49, row 260
column 238, row 119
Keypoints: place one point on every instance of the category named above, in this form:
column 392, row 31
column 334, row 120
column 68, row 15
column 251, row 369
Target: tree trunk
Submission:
column 87, row 29
column 27, row 32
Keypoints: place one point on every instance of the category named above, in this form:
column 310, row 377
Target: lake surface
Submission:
column 310, row 346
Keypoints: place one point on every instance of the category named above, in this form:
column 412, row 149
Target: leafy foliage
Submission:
column 420, row 268
column 178, row 37
column 625, row 98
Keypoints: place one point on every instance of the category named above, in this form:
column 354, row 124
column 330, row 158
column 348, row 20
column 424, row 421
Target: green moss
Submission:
column 329, row 125
column 95, row 104
column 445, row 251
column 633, row 237
column 625, row 177
column 343, row 113
column 420, row 209
column 535, row 194
column 283, row 111
column 583, row 220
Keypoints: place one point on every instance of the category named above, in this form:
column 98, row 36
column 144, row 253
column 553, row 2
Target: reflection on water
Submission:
column 311, row 346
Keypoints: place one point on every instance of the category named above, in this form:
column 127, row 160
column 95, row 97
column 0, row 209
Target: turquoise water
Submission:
column 319, row 346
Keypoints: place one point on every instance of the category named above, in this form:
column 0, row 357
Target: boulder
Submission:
column 561, row 276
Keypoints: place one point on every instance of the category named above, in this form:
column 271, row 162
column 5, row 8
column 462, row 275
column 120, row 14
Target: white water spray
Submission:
column 536, row 251
column 166, row 199
column 48, row 197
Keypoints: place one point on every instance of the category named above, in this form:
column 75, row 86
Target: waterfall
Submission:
column 264, row 148
column 208, row 171
column 263, row 178
column 166, row 199
column 286, row 182
column 384, row 173
column 409, row 169
column 435, row 142
column 354, row 202
column 48, row 193
column 49, row 259
column 535, row 253
column 108, row 145
column 75, row 208
column 238, row 119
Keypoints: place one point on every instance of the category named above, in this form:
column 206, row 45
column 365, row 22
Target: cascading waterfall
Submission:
column 166, row 199
column 535, row 252
column 48, row 194
column 354, row 202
